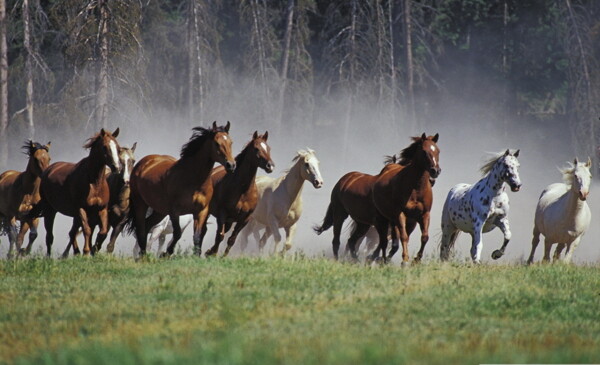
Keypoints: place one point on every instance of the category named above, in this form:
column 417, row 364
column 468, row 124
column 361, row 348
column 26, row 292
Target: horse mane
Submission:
column 407, row 154
column 29, row 147
column 301, row 154
column 489, row 164
column 199, row 136
column 567, row 174
column 90, row 141
column 240, row 156
column 390, row 159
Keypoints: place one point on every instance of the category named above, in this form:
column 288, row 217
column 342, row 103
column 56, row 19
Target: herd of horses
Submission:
column 109, row 190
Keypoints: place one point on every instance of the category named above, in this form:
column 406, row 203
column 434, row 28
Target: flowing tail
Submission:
column 327, row 221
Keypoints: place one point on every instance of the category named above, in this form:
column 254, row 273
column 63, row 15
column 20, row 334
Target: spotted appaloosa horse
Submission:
column 19, row 194
column 562, row 214
column 479, row 208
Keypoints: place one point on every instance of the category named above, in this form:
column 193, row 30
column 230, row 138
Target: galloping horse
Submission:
column 235, row 195
column 562, row 214
column 160, row 231
column 81, row 191
column 280, row 201
column 118, row 203
column 175, row 187
column 353, row 196
column 19, row 193
column 481, row 207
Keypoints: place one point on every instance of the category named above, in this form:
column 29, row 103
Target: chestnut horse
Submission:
column 19, row 193
column 80, row 191
column 176, row 187
column 235, row 194
column 402, row 195
column 353, row 196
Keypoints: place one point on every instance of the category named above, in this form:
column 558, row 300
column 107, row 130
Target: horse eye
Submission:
column 306, row 164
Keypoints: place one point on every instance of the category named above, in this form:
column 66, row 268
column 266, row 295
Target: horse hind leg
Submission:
column 559, row 249
column 449, row 236
column 360, row 229
column 176, row 235
column 338, row 222
column 222, row 228
column 231, row 240
column 12, row 237
column 534, row 243
column 571, row 248
column 547, row 248
column 49, row 216
column 33, row 233
column 73, row 232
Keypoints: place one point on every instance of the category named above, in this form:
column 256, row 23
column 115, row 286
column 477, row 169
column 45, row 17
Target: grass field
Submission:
column 264, row 311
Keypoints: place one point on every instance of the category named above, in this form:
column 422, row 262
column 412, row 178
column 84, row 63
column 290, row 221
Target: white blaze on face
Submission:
column 314, row 167
column 225, row 137
column 126, row 172
column 432, row 148
column 115, row 154
column 264, row 146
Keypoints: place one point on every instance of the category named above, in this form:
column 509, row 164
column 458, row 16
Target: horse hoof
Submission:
column 497, row 254
column 404, row 264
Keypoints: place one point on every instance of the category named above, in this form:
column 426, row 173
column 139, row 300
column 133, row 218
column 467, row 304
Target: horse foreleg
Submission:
column 236, row 230
column 87, row 231
column 176, row 234
column 33, row 233
column 116, row 230
column 382, row 226
column 72, row 238
column 49, row 216
column 360, row 229
column 401, row 225
column 263, row 240
column 21, row 236
column 559, row 249
column 249, row 227
column 12, row 236
column 547, row 249
column 222, row 228
column 476, row 244
column 505, row 228
column 199, row 222
column 571, row 248
column 534, row 243
column 103, row 232
column 290, row 232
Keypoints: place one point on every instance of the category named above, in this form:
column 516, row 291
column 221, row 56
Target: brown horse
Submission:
column 19, row 193
column 80, row 191
column 235, row 195
column 353, row 196
column 176, row 187
column 403, row 196
column 118, row 203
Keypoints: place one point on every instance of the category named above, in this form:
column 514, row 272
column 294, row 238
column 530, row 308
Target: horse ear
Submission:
column 116, row 132
column 255, row 135
column 423, row 136
column 227, row 126
column 214, row 126
column 589, row 162
column 575, row 161
column 266, row 135
column 102, row 132
column 516, row 154
column 507, row 152
column 31, row 144
column 48, row 145
column 436, row 137
column 133, row 147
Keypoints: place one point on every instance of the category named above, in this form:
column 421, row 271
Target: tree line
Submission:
column 78, row 65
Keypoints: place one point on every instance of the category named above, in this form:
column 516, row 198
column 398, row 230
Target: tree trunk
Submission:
column 102, row 82
column 285, row 57
column 351, row 80
column 191, row 60
column 28, row 68
column 3, row 87
column 198, row 63
column 409, row 65
column 392, row 64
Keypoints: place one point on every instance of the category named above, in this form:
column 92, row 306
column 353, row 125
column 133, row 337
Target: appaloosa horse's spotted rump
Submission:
column 479, row 208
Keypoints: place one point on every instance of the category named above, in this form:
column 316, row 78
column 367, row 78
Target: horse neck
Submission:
column 95, row 166
column 30, row 178
column 414, row 174
column 573, row 203
column 199, row 166
column 293, row 181
column 245, row 172
column 122, row 191
column 491, row 184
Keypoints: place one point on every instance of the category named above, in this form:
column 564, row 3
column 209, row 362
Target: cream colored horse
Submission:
column 562, row 214
column 280, row 201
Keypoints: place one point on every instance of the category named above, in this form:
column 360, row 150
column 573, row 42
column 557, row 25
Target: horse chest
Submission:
column 97, row 196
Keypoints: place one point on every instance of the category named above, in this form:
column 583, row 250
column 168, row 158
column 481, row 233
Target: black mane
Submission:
column 197, row 140
column 407, row 154
column 29, row 147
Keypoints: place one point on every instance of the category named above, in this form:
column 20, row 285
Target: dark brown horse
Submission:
column 235, row 195
column 19, row 194
column 176, row 187
column 353, row 196
column 403, row 196
column 80, row 191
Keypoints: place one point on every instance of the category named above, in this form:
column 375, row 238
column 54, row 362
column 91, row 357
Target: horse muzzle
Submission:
column 269, row 167
column 514, row 188
column 434, row 172
column 230, row 166
column 583, row 195
column 318, row 184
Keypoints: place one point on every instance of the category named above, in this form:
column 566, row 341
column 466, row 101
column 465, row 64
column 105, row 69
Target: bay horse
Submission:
column 235, row 195
column 562, row 214
column 80, row 191
column 160, row 231
column 176, row 187
column 481, row 207
column 280, row 201
column 19, row 194
column 353, row 196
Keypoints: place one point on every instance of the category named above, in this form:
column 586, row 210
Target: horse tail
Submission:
column 328, row 220
column 129, row 225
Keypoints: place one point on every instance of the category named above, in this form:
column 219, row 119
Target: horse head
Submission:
column 39, row 158
column 310, row 167
column 430, row 153
column 104, row 146
column 221, row 147
column 509, row 171
column 127, row 160
column 581, row 178
column 262, row 151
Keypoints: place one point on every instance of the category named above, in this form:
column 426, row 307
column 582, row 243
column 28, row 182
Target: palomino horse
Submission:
column 479, row 208
column 235, row 195
column 280, row 200
column 19, row 193
column 175, row 187
column 562, row 214
column 81, row 191
column 404, row 196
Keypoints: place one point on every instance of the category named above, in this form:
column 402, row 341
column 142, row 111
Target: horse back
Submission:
column 353, row 192
column 9, row 198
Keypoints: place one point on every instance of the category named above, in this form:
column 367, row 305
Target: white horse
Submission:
column 562, row 214
column 479, row 208
column 280, row 201
column 161, row 230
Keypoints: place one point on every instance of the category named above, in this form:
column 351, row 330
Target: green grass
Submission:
column 264, row 311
